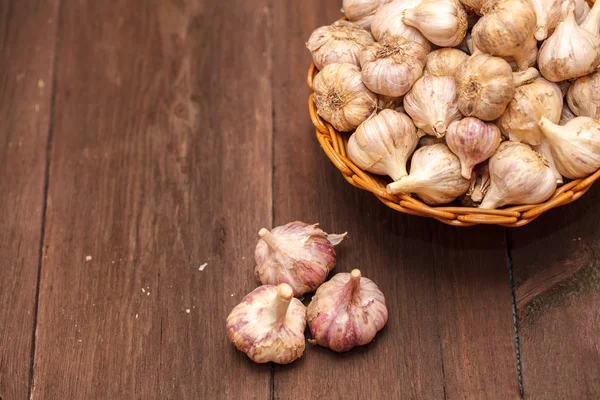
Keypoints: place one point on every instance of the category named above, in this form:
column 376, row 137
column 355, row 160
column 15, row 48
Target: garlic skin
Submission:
column 444, row 62
column 392, row 66
column 296, row 253
column 361, row 12
column 268, row 325
column 432, row 104
column 434, row 176
column 346, row 312
column 566, row 115
column 442, row 22
column 575, row 146
column 428, row 140
column 473, row 141
column 388, row 22
column 480, row 182
column 582, row 9
column 390, row 103
column 338, row 43
column 382, row 144
column 475, row 6
column 518, row 175
column 341, row 97
column 583, row 96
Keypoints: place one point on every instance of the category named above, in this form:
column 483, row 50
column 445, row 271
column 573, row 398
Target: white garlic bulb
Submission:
column 383, row 144
column 442, row 22
column 434, row 176
column 338, row 43
column 575, row 146
column 388, row 22
column 566, row 115
column 584, row 96
column 473, row 141
column 392, row 66
column 444, row 62
column 572, row 51
column 432, row 103
column 341, row 97
column 548, row 14
column 518, row 175
column 361, row 12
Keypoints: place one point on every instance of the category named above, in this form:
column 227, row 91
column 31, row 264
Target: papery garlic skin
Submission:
column 480, row 182
column 566, row 115
column 346, row 311
column 434, row 177
column 361, row 12
column 428, row 140
column 388, row 22
column 518, row 175
column 390, row 103
column 268, row 325
column 338, row 43
column 341, row 97
column 575, row 146
column 392, row 66
column 473, row 141
column 583, row 96
column 296, row 253
column 582, row 9
column 382, row 144
column 432, row 104
column 442, row 22
column 444, row 62
column 475, row 6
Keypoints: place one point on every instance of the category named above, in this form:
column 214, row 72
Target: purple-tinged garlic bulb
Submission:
column 345, row 312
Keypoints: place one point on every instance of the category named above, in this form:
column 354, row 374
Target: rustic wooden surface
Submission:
column 175, row 130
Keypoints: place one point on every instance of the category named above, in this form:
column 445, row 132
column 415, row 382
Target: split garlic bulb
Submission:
column 584, row 96
column 473, row 141
column 338, row 43
column 268, row 325
column 345, row 312
column 566, row 115
column 518, row 175
column 572, row 51
column 434, row 176
column 392, row 66
column 341, row 97
column 383, row 144
column 432, row 104
column 388, row 22
column 442, row 22
column 575, row 146
column 298, row 254
column 444, row 62
column 361, row 12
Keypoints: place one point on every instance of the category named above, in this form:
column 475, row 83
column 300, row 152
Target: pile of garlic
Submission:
column 471, row 93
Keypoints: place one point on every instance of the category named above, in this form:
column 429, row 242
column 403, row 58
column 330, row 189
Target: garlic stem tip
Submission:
column 356, row 273
column 285, row 292
column 263, row 232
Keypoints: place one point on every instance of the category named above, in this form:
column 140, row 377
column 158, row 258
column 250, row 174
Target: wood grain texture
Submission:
column 27, row 39
column 160, row 163
column 557, row 279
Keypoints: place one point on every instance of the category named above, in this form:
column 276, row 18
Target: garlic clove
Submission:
column 268, row 325
column 480, row 182
column 583, row 96
column 361, row 12
column 434, row 177
column 345, row 312
column 341, row 97
column 388, row 22
column 382, row 144
column 432, row 104
column 444, row 62
column 443, row 22
column 298, row 254
column 518, row 175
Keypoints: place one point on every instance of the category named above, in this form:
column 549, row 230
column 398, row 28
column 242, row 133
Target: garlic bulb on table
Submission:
column 341, row 97
column 444, row 62
column 338, row 43
column 518, row 175
column 388, row 22
column 584, row 96
column 383, row 144
column 345, row 312
column 434, row 176
column 298, row 254
column 361, row 12
column 392, row 66
column 268, row 325
column 432, row 104
column 442, row 22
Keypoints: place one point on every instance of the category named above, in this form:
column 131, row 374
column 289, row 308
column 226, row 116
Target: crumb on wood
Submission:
column 231, row 294
column 88, row 258
column 202, row 267
column 143, row 290
column 41, row 83
column 136, row 316
column 188, row 310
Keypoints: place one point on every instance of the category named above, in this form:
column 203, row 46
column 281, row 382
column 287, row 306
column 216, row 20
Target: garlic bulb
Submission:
column 571, row 51
column 392, row 66
column 341, row 97
column 434, row 176
column 575, row 146
column 473, row 141
column 548, row 14
column 582, row 9
column 443, row 22
column 566, row 115
column 345, row 312
column 388, row 22
column 361, row 12
column 298, row 254
column 444, row 62
column 432, row 104
column 382, row 144
column 518, row 175
column 546, row 151
column 338, row 43
column 584, row 96
column 506, row 29
column 480, row 182
column 268, row 325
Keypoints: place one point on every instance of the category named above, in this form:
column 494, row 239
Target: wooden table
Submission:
column 142, row 139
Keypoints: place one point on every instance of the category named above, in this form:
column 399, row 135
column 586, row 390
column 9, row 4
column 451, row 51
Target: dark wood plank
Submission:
column 161, row 162
column 27, row 39
column 557, row 278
